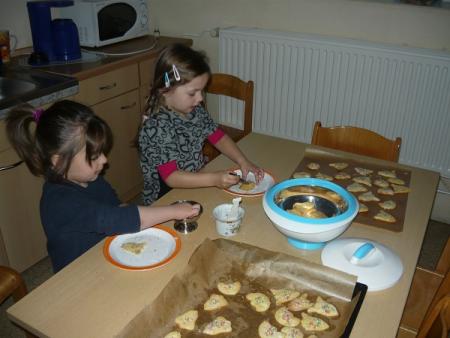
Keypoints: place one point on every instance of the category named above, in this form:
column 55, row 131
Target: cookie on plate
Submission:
column 134, row 247
column 173, row 334
column 215, row 302
column 259, row 301
column 384, row 217
column 388, row 205
column 247, row 186
column 229, row 289
column 300, row 303
column 285, row 317
column 284, row 295
column 339, row 165
column 311, row 323
column 267, row 330
column 187, row 320
column 323, row 308
column 217, row 326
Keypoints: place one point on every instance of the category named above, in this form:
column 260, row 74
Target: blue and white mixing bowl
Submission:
column 304, row 232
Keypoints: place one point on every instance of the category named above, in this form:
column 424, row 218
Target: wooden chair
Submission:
column 230, row 85
column 428, row 288
column 437, row 322
column 357, row 140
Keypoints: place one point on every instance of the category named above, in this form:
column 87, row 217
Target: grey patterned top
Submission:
column 167, row 136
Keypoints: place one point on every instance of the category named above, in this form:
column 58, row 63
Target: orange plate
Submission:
column 268, row 179
column 109, row 258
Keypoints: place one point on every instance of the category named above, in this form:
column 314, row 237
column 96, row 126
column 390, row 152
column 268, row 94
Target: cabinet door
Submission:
column 24, row 240
column 123, row 116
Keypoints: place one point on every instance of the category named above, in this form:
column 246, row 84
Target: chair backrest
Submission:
column 357, row 140
column 11, row 284
column 230, row 85
column 437, row 322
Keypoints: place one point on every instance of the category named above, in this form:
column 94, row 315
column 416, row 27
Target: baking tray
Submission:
column 360, row 289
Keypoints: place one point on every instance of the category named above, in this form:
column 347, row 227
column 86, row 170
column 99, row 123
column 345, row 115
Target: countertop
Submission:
column 93, row 298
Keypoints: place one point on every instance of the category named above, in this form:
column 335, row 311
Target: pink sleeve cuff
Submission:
column 166, row 169
column 216, row 136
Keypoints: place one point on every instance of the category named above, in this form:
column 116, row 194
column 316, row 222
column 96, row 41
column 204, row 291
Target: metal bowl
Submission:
column 187, row 225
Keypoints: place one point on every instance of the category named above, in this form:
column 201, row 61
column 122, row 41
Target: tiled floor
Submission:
column 435, row 239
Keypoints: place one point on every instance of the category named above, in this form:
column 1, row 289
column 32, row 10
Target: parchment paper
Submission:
column 258, row 270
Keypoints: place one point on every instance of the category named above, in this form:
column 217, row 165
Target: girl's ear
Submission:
column 54, row 159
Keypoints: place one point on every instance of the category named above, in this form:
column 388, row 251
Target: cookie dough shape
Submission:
column 323, row 308
column 363, row 180
column 259, row 301
column 342, row 176
column 368, row 197
column 292, row 332
column 387, row 173
column 311, row 323
column 379, row 182
column 286, row 317
column 215, row 302
column 187, row 320
column 385, row 191
column 173, row 334
column 229, row 289
column 134, row 247
column 388, row 205
column 339, row 165
column 396, row 180
column 363, row 171
column 363, row 207
column 313, row 166
column 217, row 326
column 300, row 303
column 247, row 186
column 301, row 174
column 284, row 295
column 356, row 187
column 400, row 189
column 267, row 330
column 324, row 176
column 384, row 217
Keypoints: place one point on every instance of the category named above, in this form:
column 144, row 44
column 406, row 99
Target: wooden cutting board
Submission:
column 365, row 218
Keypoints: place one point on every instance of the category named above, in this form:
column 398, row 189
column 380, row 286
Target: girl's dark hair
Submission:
column 63, row 130
column 188, row 62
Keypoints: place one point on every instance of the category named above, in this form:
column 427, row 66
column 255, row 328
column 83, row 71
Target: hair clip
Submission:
column 166, row 80
column 37, row 114
column 175, row 73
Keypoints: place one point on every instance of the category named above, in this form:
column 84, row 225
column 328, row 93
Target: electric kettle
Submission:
column 53, row 40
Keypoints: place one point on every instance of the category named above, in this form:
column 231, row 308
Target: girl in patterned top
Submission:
column 176, row 125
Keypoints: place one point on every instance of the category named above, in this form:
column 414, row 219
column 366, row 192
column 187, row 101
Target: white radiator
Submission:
column 299, row 78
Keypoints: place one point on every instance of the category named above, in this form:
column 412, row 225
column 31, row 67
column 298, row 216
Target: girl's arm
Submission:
column 151, row 215
column 230, row 149
column 185, row 179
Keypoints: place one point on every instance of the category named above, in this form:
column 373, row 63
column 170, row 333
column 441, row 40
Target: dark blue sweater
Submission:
column 76, row 218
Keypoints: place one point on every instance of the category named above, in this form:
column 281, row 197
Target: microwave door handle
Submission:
column 11, row 166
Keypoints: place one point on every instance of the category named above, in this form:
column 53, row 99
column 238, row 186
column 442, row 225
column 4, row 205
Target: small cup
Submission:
column 187, row 225
column 225, row 225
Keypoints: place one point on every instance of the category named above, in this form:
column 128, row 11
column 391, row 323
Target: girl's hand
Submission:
column 225, row 180
column 185, row 210
column 248, row 166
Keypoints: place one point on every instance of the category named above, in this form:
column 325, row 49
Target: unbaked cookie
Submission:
column 187, row 320
column 259, row 301
column 313, row 166
column 363, row 171
column 311, row 323
column 339, row 165
column 363, row 207
column 215, row 302
column 173, row 334
column 323, row 308
column 363, row 180
column 384, row 217
column 300, row 303
column 379, row 182
column 134, row 247
column 368, row 197
column 247, row 186
column 286, row 318
column 324, row 176
column 396, row 180
column 267, row 330
column 229, row 289
column 388, row 205
column 385, row 191
column 356, row 187
column 284, row 295
column 400, row 189
column 217, row 326
column 342, row 176
column 387, row 173
column 292, row 332
column 301, row 174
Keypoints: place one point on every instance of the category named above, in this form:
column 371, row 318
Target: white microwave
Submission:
column 103, row 22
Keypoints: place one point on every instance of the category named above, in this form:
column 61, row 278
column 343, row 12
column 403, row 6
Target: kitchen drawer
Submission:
column 102, row 87
column 146, row 69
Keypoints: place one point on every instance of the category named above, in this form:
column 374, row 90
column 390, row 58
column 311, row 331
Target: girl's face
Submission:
column 184, row 98
column 81, row 172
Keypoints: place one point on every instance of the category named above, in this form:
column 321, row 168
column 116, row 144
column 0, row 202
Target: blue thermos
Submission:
column 53, row 40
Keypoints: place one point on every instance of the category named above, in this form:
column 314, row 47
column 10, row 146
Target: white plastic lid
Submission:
column 373, row 263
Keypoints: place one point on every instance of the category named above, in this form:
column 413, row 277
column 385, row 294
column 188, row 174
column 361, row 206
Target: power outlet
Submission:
column 215, row 32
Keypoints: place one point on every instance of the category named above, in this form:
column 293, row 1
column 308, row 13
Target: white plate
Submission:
column 259, row 190
column 161, row 245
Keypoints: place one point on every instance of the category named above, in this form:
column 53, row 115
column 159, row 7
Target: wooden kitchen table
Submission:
column 93, row 298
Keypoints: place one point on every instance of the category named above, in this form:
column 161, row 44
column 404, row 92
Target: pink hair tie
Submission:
column 37, row 114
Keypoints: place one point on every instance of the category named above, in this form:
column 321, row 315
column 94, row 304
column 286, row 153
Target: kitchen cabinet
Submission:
column 22, row 237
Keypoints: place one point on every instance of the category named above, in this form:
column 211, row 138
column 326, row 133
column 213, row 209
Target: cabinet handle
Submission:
column 128, row 106
column 11, row 166
column 111, row 86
